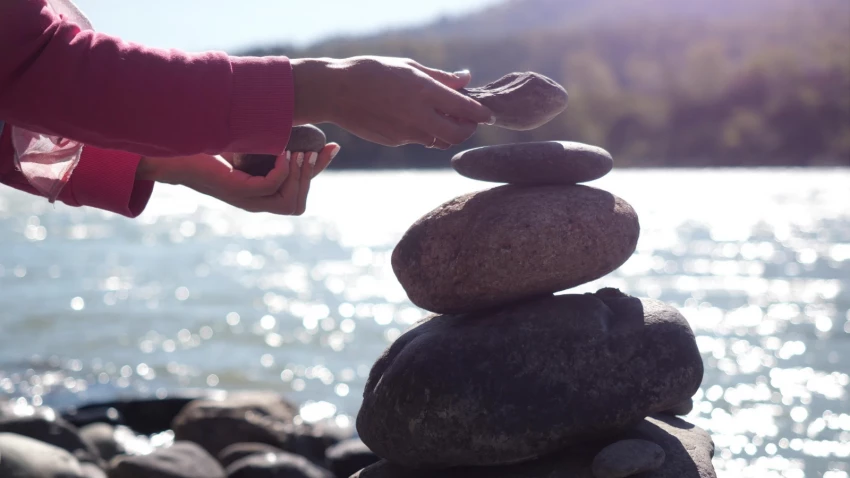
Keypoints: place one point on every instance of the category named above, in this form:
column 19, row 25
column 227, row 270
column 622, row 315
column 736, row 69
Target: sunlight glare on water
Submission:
column 194, row 294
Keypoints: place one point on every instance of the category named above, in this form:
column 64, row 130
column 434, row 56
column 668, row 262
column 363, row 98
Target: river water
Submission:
column 196, row 294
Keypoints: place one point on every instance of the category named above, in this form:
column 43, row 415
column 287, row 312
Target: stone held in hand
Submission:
column 512, row 242
column 525, row 380
column 688, row 451
column 626, row 458
column 22, row 456
column 303, row 139
column 544, row 162
column 521, row 101
column 181, row 460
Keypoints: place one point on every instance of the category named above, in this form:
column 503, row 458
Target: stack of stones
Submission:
column 507, row 379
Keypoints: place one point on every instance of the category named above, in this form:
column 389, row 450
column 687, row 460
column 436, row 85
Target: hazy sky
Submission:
column 233, row 24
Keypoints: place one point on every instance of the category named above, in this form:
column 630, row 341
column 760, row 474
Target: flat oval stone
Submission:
column 513, row 242
column 302, row 139
column 688, row 451
column 521, row 101
column 529, row 379
column 545, row 162
column 626, row 458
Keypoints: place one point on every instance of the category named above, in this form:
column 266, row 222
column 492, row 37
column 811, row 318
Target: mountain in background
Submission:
column 656, row 82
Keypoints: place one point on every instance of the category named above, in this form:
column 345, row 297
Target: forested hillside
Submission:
column 657, row 83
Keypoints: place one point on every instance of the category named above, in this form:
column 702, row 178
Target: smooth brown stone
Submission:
column 522, row 101
column 545, row 162
column 303, row 139
column 513, row 242
column 688, row 452
column 526, row 380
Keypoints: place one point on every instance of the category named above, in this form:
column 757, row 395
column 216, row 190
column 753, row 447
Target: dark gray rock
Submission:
column 236, row 452
column 91, row 470
column 521, row 101
column 102, row 437
column 24, row 457
column 545, row 162
column 144, row 415
column 688, row 452
column 348, row 457
column 245, row 417
column 626, row 458
column 279, row 465
column 45, row 426
column 529, row 379
column 681, row 409
column 180, row 460
column 303, row 139
column 312, row 440
column 512, row 242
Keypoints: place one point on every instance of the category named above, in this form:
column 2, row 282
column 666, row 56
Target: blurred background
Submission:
column 729, row 122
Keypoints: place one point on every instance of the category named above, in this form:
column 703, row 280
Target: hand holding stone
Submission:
column 389, row 101
column 522, row 101
column 302, row 139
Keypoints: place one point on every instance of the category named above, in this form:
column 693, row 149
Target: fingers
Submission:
column 455, row 81
column 455, row 104
column 288, row 193
column 304, row 183
column 258, row 186
column 325, row 157
column 447, row 130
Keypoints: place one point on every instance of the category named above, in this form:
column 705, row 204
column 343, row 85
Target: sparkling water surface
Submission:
column 197, row 294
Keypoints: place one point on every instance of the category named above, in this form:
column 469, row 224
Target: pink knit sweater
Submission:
column 124, row 100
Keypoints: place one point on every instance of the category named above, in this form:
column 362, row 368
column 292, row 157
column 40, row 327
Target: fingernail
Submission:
column 299, row 159
column 492, row 120
column 335, row 150
column 312, row 158
column 288, row 156
column 462, row 73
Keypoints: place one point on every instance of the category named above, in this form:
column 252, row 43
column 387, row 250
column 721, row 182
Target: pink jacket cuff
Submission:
column 262, row 102
column 107, row 180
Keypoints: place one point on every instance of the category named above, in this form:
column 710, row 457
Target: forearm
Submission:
column 104, row 92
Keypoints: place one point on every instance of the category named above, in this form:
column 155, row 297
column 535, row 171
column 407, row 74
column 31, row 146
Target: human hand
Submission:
column 282, row 191
column 389, row 101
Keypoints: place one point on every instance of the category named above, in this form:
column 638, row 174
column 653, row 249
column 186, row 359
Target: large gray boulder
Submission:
column 512, row 242
column 527, row 380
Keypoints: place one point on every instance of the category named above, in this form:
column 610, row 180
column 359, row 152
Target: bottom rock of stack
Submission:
column 509, row 385
column 688, row 452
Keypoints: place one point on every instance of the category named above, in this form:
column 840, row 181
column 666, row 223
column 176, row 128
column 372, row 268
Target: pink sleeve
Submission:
column 102, row 179
column 102, row 91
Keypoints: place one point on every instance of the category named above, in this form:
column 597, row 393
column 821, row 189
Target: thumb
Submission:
column 457, row 80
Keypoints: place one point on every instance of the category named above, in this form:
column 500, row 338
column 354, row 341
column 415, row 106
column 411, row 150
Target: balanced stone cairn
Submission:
column 507, row 379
